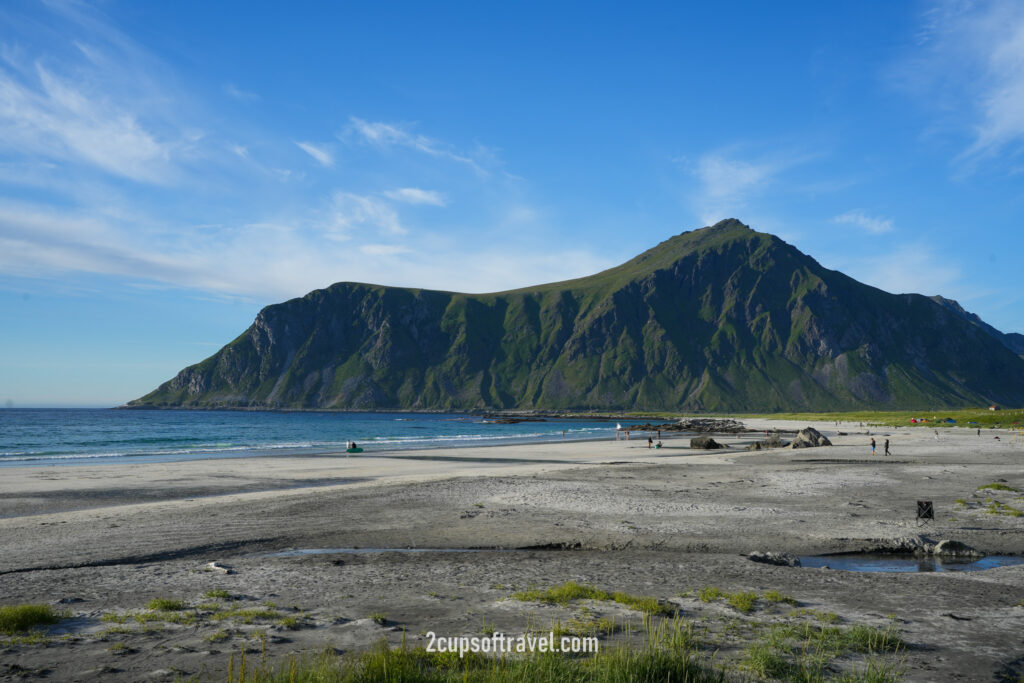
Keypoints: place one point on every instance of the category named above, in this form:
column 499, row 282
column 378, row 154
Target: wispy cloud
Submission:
column 413, row 195
column 45, row 115
column 397, row 135
column 353, row 212
column 910, row 267
column 728, row 182
column 321, row 153
column 231, row 90
column 969, row 65
column 872, row 224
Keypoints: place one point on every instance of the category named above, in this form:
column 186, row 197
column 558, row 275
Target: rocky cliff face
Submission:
column 722, row 318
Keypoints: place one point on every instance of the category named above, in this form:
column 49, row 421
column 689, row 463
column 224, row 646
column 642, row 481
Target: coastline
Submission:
column 609, row 513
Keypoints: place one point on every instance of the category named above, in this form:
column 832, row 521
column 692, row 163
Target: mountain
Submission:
column 1011, row 340
column 719, row 319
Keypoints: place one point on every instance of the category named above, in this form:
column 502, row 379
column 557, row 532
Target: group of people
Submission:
column 873, row 446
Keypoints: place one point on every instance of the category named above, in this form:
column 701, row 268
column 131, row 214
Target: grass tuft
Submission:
column 21, row 618
column 166, row 604
column 569, row 591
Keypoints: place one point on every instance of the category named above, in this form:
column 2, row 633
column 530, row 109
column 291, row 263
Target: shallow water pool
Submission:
column 868, row 562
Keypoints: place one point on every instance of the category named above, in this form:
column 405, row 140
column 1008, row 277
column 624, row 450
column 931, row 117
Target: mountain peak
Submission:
column 723, row 318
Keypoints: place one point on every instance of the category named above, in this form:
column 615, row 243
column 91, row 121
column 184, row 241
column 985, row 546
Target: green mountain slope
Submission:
column 723, row 318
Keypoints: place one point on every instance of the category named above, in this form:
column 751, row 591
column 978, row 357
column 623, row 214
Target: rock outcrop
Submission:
column 705, row 443
column 809, row 438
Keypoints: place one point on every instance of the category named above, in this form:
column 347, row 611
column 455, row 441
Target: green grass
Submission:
column 804, row 652
column 996, row 486
column 994, row 507
column 901, row 418
column 248, row 616
column 774, row 597
column 379, row 618
column 567, row 592
column 219, row 594
column 217, row 636
column 666, row 655
column 16, row 619
column 166, row 604
column 744, row 601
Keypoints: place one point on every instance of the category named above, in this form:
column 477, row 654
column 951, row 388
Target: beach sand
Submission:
column 102, row 541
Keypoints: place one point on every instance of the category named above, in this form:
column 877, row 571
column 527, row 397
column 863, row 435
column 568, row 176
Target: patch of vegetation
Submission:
column 804, row 652
column 290, row 623
column 997, row 486
column 379, row 618
column 219, row 594
column 826, row 617
column 114, row 618
column 970, row 418
column 166, row 604
column 569, row 591
column 744, row 601
column 666, row 655
column 774, row 597
column 994, row 507
column 16, row 619
column 247, row 616
column 218, row 636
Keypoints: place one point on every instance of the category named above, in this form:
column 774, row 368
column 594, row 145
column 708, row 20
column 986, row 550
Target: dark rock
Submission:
column 773, row 441
column 704, row 443
column 777, row 559
column 949, row 548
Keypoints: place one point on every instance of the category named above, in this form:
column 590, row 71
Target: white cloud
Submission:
column 872, row 224
column 43, row 114
column 969, row 65
column 392, row 134
column 383, row 249
column 269, row 261
column 232, row 90
column 727, row 183
column 321, row 154
column 907, row 268
column 413, row 195
column 352, row 212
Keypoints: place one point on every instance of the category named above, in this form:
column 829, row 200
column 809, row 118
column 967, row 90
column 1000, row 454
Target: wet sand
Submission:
column 108, row 539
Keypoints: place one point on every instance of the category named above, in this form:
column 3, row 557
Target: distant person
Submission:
column 659, row 435
column 887, row 446
column 657, row 445
column 650, row 442
column 979, row 431
column 627, row 435
column 872, row 445
column 936, row 434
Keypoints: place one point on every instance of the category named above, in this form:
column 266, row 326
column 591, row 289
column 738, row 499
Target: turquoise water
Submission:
column 77, row 436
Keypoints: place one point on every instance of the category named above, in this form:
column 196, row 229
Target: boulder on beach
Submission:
column 773, row 441
column 950, row 548
column 705, row 443
column 809, row 438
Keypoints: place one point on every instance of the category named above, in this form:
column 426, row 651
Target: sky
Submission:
column 167, row 169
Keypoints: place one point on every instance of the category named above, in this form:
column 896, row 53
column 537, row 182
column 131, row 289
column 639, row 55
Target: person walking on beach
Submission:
column 887, row 446
column 650, row 442
column 872, row 445
column 936, row 434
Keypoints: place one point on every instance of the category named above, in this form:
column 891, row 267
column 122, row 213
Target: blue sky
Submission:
column 169, row 168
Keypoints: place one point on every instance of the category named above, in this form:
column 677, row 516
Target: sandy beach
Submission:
column 100, row 542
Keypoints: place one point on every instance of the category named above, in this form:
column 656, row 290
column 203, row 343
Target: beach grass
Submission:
column 569, row 591
column 15, row 619
column 666, row 655
column 975, row 418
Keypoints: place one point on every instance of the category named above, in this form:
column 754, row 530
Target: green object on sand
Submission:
column 353, row 450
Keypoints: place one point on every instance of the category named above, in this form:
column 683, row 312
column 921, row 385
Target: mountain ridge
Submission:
column 721, row 318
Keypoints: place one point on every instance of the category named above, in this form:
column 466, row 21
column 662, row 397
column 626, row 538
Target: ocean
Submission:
column 103, row 436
